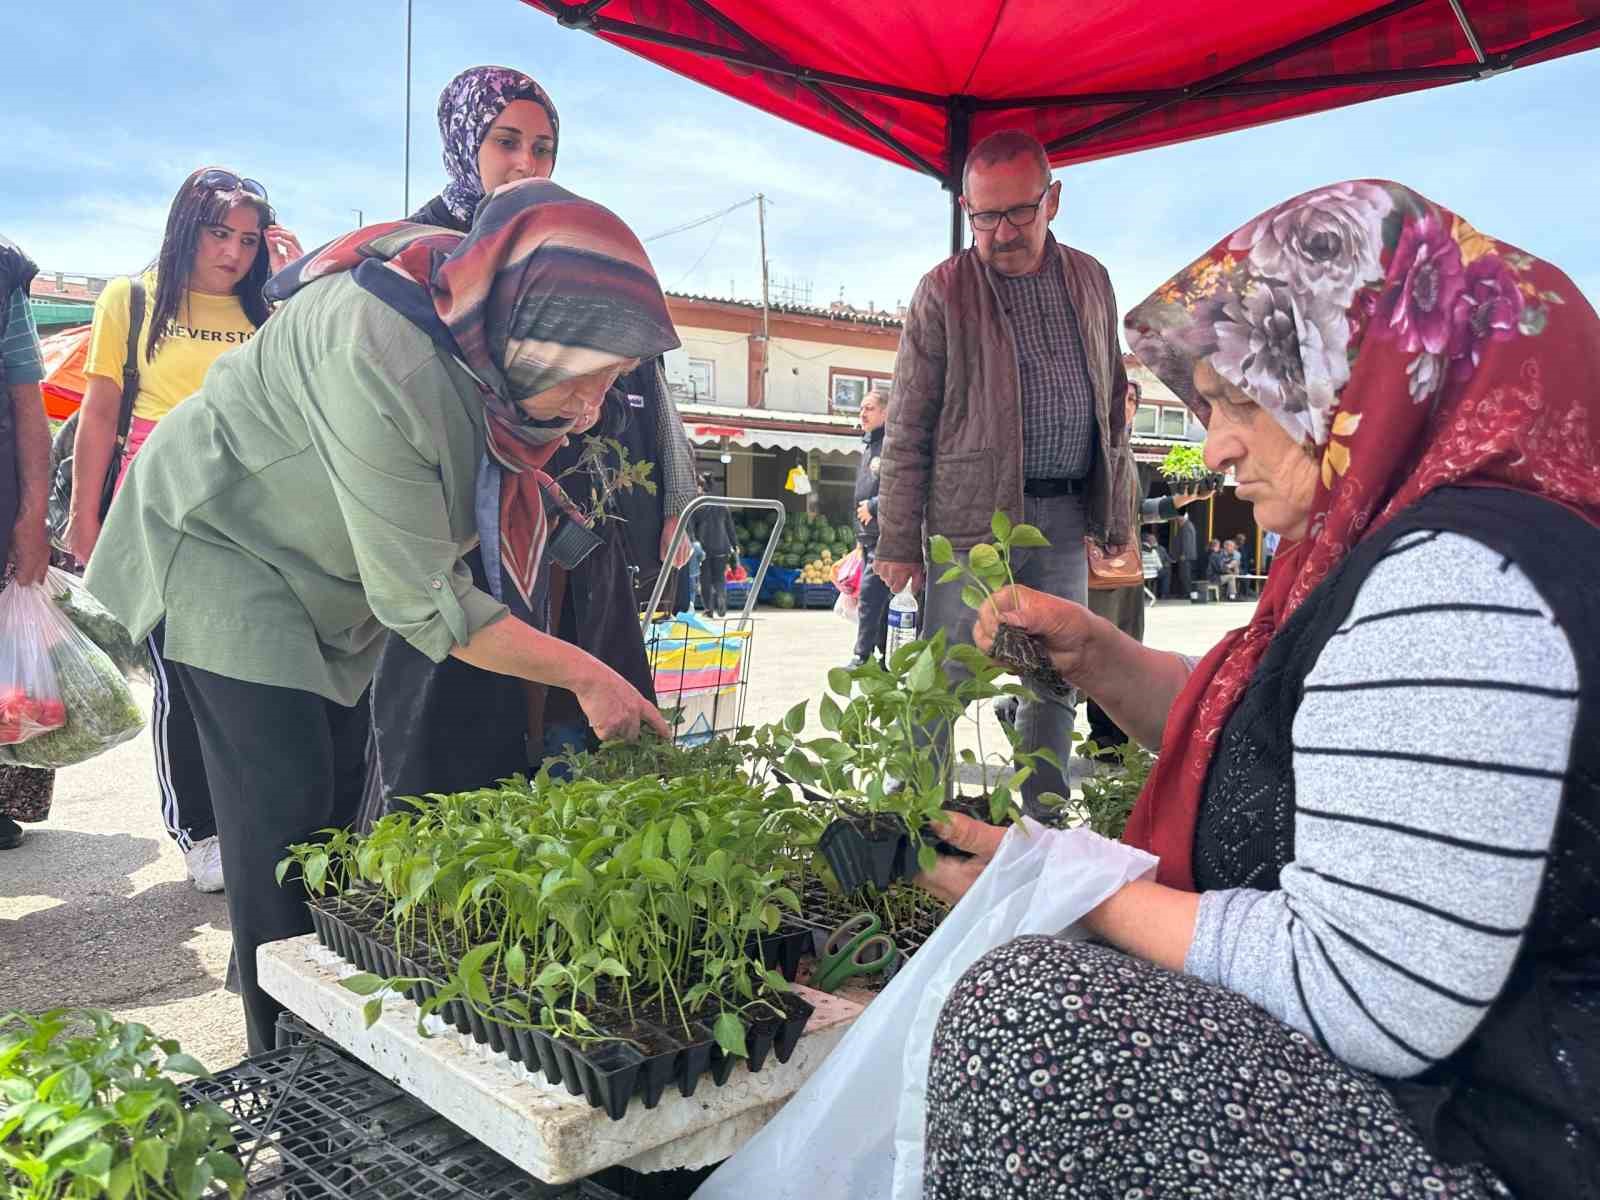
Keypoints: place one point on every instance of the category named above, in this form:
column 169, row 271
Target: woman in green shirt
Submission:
column 324, row 483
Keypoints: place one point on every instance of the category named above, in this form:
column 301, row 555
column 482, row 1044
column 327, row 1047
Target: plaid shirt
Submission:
column 1057, row 398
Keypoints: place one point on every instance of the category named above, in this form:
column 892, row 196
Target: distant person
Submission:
column 1269, row 550
column 200, row 299
column 1229, row 568
column 1155, row 553
column 24, row 486
column 872, row 619
column 1213, row 568
column 1186, row 554
column 719, row 541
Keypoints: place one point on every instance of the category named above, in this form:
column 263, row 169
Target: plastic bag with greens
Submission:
column 100, row 710
column 98, row 625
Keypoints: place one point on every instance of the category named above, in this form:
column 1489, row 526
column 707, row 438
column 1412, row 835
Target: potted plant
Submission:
column 1110, row 793
column 1184, row 468
column 605, row 464
column 89, row 1110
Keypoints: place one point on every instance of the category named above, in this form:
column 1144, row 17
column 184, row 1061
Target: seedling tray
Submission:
column 518, row 1113
column 609, row 1073
column 310, row 1121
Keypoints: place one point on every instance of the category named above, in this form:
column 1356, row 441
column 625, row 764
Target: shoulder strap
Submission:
column 130, row 365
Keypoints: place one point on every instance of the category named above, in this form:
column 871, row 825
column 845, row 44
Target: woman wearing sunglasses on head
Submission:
column 199, row 299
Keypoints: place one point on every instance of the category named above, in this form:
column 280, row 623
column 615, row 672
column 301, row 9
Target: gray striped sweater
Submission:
column 1429, row 752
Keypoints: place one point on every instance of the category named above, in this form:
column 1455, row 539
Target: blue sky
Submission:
column 119, row 101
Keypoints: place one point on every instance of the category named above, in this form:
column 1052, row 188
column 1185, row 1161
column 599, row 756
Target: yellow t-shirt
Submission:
column 205, row 328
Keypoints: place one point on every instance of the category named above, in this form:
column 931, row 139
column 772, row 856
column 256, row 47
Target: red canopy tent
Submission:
column 918, row 83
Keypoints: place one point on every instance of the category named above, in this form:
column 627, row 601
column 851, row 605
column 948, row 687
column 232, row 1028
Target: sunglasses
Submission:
column 218, row 180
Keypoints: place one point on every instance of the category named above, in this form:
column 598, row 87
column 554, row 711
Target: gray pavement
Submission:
column 95, row 907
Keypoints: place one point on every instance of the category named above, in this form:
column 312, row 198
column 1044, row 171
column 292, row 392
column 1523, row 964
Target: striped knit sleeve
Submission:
column 1430, row 750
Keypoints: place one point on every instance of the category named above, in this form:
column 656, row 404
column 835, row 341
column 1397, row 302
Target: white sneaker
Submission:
column 204, row 861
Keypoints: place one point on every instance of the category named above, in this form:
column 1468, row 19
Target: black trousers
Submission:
column 1185, row 569
column 282, row 764
column 180, row 768
column 714, row 584
column 872, row 629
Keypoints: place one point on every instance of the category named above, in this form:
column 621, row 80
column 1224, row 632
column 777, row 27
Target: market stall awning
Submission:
column 63, row 355
column 918, row 81
column 775, row 435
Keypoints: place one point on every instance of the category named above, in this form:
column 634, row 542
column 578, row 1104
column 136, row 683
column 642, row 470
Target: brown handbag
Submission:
column 1112, row 567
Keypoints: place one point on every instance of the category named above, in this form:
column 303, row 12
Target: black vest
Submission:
column 1523, row 1093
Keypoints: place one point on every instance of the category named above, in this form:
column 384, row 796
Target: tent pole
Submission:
column 959, row 122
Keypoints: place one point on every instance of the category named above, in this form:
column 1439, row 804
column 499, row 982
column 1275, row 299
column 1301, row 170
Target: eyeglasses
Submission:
column 1020, row 216
column 218, row 180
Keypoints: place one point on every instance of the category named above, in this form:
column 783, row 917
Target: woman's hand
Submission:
column 952, row 877
column 282, row 247
column 614, row 707
column 669, row 530
column 1069, row 631
column 83, row 531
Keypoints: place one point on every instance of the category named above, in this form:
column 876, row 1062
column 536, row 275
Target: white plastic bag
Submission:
column 847, row 607
column 96, row 708
column 30, row 695
column 856, row 1128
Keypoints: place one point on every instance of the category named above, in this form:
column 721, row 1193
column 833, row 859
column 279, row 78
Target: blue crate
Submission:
column 815, row 595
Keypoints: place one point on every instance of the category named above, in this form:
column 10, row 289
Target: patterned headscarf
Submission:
column 546, row 287
column 468, row 107
column 1408, row 352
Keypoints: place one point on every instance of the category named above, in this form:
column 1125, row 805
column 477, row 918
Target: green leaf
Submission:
column 151, row 1155
column 517, row 964
column 120, row 1181
column 982, row 557
column 940, row 550
column 283, row 869
column 363, row 984
column 1024, row 537
column 923, row 673
column 729, row 1032
column 371, row 1011
column 951, row 574
column 839, row 681
column 680, row 840
column 927, row 858
column 795, row 719
column 659, row 871
column 185, row 1064
column 1000, row 525
column 652, row 841
column 828, row 713
column 93, row 1163
column 973, row 597
column 79, row 1129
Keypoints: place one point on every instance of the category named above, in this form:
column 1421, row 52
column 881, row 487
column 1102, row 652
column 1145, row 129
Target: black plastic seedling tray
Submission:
column 608, row 1072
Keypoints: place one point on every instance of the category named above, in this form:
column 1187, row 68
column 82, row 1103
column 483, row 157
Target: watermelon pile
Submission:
column 807, row 541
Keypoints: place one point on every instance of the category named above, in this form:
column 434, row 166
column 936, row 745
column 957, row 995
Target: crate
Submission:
column 310, row 1121
column 815, row 595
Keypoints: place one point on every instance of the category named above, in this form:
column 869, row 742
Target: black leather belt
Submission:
column 1041, row 488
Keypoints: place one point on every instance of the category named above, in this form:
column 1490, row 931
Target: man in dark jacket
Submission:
column 1188, row 549
column 714, row 528
column 1008, row 396
column 872, row 630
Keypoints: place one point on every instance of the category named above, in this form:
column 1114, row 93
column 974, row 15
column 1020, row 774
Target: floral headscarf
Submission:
column 468, row 107
column 547, row 286
column 1409, row 352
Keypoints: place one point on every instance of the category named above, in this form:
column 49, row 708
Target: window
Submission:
column 702, row 381
column 1146, row 419
column 1197, row 431
column 1174, row 422
column 846, row 389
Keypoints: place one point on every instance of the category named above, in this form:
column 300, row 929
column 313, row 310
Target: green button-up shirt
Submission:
column 318, row 489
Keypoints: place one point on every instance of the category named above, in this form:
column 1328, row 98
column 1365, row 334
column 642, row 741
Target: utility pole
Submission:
column 405, row 205
column 361, row 217
column 766, row 329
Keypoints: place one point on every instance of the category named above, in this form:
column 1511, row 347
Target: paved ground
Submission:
column 95, row 907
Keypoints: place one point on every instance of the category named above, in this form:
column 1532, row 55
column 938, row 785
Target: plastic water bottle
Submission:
column 902, row 620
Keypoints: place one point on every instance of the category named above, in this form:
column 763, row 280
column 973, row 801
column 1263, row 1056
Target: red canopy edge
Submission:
column 918, row 83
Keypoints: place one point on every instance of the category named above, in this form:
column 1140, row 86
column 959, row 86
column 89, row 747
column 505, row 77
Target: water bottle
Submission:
column 902, row 620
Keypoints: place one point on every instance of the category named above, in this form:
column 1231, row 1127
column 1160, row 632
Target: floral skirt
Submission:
column 1065, row 1069
column 25, row 793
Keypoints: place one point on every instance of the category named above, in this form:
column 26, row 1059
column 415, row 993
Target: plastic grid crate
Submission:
column 311, row 1122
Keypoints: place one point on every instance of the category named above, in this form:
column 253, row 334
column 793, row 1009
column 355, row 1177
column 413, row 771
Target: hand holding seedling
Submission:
column 950, row 878
column 615, row 709
column 1065, row 631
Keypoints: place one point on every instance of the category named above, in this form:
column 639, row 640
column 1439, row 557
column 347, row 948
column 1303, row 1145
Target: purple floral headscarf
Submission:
column 468, row 106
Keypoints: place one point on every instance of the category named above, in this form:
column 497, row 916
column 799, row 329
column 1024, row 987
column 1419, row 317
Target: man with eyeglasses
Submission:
column 1009, row 388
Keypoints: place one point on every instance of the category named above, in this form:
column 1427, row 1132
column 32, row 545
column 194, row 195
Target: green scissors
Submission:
column 857, row 947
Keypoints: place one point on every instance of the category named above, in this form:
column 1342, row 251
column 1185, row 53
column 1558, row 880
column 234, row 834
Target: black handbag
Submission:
column 59, row 505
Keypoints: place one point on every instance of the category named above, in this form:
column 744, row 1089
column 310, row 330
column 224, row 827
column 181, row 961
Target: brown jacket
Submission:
column 952, row 455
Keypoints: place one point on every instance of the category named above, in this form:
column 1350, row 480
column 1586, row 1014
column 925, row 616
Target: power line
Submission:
column 699, row 221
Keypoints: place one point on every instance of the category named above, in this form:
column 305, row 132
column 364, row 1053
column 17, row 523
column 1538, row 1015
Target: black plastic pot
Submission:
column 571, row 543
column 868, row 849
column 797, row 1012
column 609, row 1073
column 783, row 950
